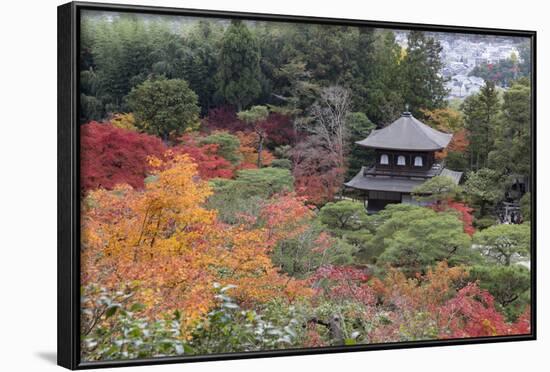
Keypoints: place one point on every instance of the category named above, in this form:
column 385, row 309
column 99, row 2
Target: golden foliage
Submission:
column 248, row 148
column 445, row 119
column 165, row 240
column 124, row 121
column 428, row 290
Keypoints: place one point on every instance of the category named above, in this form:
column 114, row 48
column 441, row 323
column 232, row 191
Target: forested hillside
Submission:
column 214, row 219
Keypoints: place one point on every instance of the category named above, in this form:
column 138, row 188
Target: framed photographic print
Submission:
column 237, row 185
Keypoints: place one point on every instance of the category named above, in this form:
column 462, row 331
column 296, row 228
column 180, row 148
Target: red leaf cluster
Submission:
column 223, row 118
column 343, row 283
column 459, row 142
column 472, row 313
column 209, row 163
column 111, row 156
column 278, row 128
column 465, row 213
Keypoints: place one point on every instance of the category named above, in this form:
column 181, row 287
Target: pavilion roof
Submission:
column 363, row 181
column 407, row 133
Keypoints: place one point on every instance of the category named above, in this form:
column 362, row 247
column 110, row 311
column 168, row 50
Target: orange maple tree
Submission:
column 174, row 249
column 249, row 150
column 459, row 143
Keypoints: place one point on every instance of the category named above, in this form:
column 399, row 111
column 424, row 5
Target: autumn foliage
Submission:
column 249, row 151
column 214, row 207
column 209, row 163
column 459, row 143
column 440, row 301
column 163, row 238
column 111, row 156
column 464, row 211
column 278, row 128
column 318, row 178
column 147, row 228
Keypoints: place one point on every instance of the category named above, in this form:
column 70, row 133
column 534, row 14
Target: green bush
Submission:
column 111, row 328
column 525, row 206
column 299, row 256
column 484, row 222
column 243, row 195
column 228, row 328
column 281, row 163
column 509, row 285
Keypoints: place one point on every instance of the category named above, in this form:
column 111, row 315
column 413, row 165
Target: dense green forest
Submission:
column 214, row 218
column 244, row 64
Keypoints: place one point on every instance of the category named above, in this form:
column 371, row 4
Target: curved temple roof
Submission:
column 407, row 133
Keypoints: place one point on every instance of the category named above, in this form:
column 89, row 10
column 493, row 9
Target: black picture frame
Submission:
column 68, row 313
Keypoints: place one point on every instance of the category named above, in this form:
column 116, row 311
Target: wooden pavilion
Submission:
column 405, row 158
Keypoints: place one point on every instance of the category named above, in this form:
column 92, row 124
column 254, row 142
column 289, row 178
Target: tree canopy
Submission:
column 164, row 106
column 505, row 242
column 437, row 189
column 239, row 71
column 413, row 237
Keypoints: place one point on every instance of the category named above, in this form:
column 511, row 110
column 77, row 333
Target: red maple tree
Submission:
column 209, row 163
column 111, row 156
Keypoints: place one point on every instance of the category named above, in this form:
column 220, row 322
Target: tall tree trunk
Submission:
column 260, row 149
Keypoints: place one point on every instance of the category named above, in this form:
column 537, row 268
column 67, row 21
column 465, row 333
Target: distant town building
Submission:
column 405, row 158
column 462, row 53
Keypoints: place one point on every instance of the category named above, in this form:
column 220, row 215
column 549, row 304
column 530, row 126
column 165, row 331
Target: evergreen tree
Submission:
column 343, row 215
column 480, row 119
column 437, row 190
column 239, row 66
column 423, row 85
column 359, row 127
column 503, row 244
column 383, row 102
column 485, row 187
column 512, row 148
column 256, row 119
column 163, row 106
column 200, row 61
column 413, row 238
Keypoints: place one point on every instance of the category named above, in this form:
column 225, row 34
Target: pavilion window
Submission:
column 384, row 159
column 401, row 160
column 418, row 162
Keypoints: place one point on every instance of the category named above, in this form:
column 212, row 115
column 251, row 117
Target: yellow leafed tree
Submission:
column 163, row 241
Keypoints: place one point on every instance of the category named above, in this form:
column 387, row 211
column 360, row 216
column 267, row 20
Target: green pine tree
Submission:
column 480, row 119
column 424, row 87
column 239, row 66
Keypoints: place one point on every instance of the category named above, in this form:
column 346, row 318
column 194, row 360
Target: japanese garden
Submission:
column 252, row 185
